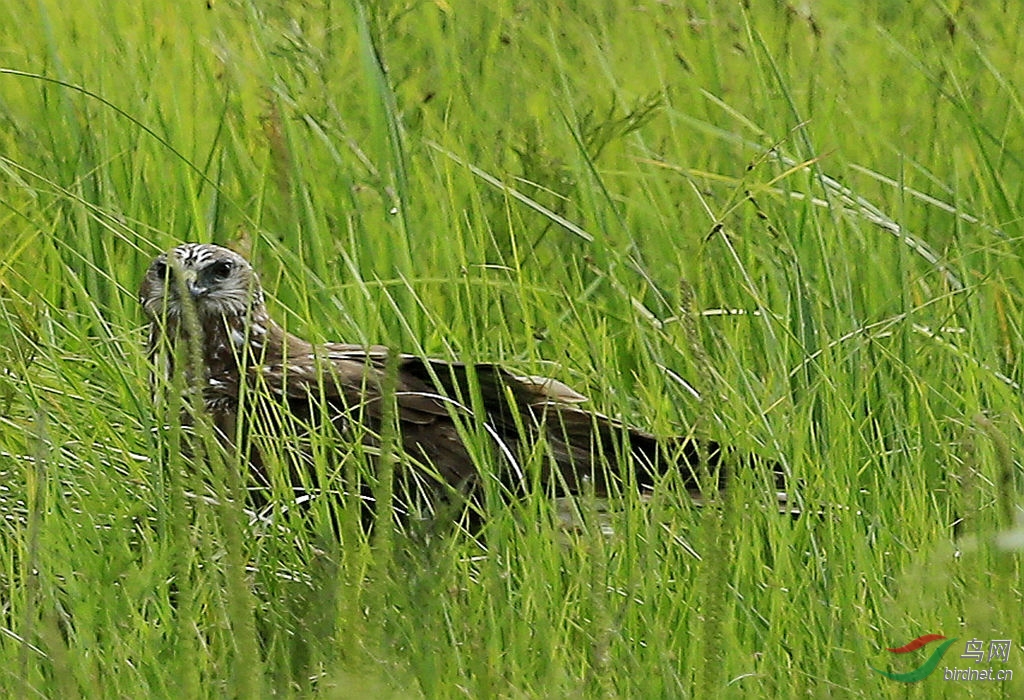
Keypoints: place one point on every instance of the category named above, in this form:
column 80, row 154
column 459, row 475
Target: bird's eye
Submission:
column 160, row 269
column 220, row 270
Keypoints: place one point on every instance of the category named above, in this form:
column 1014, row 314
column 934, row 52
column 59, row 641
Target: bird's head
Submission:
column 214, row 281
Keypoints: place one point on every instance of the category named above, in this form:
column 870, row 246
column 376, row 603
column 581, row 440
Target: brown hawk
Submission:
column 209, row 299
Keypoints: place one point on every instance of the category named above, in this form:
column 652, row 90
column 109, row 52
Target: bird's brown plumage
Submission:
column 208, row 298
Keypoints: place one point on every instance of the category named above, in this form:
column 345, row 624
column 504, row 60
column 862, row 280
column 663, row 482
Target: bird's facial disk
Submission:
column 216, row 280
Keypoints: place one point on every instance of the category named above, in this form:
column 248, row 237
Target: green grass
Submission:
column 534, row 183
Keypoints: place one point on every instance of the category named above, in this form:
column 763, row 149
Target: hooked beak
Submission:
column 192, row 284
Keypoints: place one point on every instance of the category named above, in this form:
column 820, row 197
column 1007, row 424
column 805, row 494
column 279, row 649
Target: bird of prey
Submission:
column 205, row 302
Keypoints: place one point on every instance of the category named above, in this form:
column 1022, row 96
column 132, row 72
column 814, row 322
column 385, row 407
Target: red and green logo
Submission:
column 925, row 669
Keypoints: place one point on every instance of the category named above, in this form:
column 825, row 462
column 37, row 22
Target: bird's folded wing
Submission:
column 425, row 389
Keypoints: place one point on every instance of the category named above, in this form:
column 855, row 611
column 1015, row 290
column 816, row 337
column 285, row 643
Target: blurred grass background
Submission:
column 587, row 184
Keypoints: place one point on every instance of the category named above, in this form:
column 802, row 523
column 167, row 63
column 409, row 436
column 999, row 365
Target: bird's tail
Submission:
column 599, row 455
